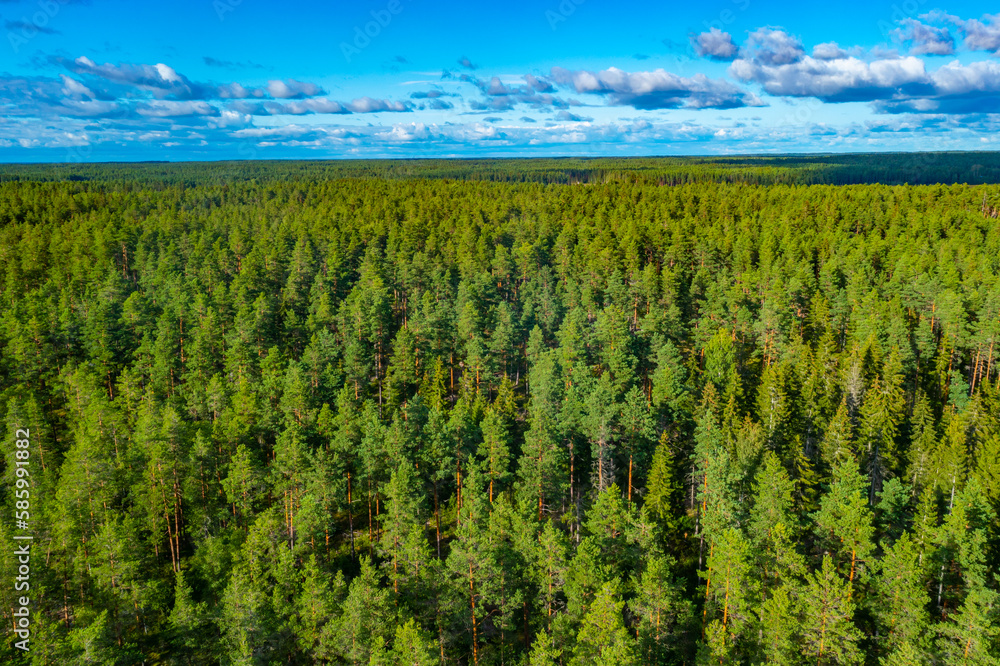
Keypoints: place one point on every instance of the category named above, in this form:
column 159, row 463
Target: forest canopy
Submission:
column 651, row 411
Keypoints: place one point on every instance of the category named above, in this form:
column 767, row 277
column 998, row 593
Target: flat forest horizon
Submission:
column 739, row 410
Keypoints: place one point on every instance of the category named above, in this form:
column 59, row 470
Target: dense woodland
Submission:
column 422, row 413
column 974, row 168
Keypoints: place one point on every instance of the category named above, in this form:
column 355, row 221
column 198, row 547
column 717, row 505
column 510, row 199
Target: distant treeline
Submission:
column 886, row 168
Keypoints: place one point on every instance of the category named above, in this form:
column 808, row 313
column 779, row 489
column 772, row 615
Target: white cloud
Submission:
column 980, row 35
column 715, row 44
column 291, row 89
column 172, row 109
column 370, row 105
column 838, row 80
column 828, row 51
column 658, row 89
column 74, row 89
column 925, row 39
column 773, row 47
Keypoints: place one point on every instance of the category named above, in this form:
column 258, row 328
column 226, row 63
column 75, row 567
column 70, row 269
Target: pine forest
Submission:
column 504, row 412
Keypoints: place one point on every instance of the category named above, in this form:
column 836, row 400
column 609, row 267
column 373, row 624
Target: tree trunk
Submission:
column 475, row 632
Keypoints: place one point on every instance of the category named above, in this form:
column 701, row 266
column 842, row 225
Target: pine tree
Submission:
column 190, row 622
column 902, row 599
column 987, row 467
column 316, row 606
column 410, row 647
column 836, row 441
column 544, row 652
column 603, row 639
column 637, row 431
column 828, row 632
column 779, row 626
column 662, row 487
column 730, row 589
column 670, row 391
column 494, row 451
column 402, row 534
column 472, row 565
column 773, row 406
column 602, row 422
column 922, row 442
column 971, row 635
column 367, row 617
column 845, row 522
column 550, row 555
column 881, row 415
column 774, row 530
column 665, row 616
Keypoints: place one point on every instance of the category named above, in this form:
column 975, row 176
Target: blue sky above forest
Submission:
column 85, row 80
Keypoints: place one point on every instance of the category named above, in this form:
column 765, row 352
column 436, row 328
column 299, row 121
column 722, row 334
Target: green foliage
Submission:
column 659, row 411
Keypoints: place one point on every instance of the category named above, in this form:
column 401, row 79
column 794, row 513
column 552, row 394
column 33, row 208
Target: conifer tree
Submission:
column 845, row 522
column 903, row 599
column 828, row 632
column 603, row 639
column 662, row 487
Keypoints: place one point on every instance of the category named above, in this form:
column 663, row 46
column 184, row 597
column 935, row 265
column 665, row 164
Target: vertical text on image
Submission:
column 22, row 537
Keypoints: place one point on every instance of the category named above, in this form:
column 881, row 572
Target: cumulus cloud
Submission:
column 466, row 63
column 292, row 89
column 958, row 89
column 164, row 82
column 925, row 39
column 658, row 89
column 158, row 93
column 91, row 109
column 431, row 99
column 43, row 97
column 304, row 107
column 231, row 134
column 538, row 85
column 978, row 34
column 828, row 51
column 160, row 79
column 75, row 90
column 572, row 117
column 318, row 105
column 715, row 44
column 839, row 80
column 370, row 105
column 500, row 96
column 175, row 109
column 893, row 84
column 92, row 102
column 773, row 47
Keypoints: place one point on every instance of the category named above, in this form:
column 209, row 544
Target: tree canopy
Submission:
column 505, row 412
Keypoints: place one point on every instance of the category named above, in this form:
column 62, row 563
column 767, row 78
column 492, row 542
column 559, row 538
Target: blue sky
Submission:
column 92, row 80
